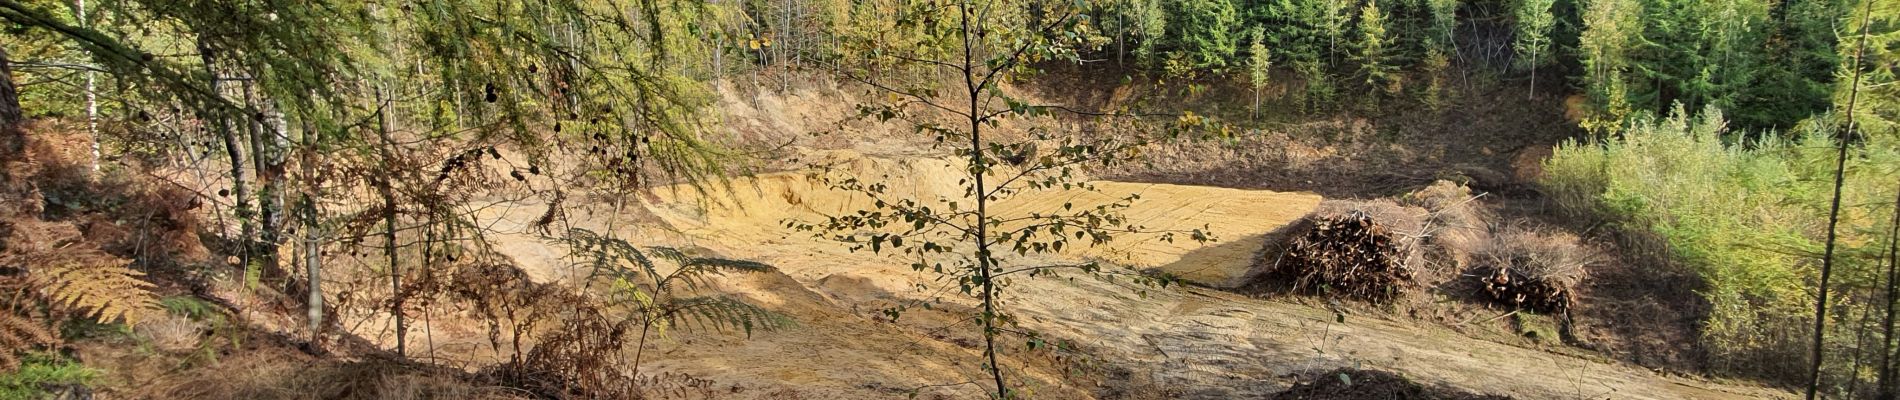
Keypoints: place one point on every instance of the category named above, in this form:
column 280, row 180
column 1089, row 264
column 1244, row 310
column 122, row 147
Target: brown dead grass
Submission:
column 270, row 372
column 1457, row 224
column 1536, row 269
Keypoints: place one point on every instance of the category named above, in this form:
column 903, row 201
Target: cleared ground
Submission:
column 1138, row 342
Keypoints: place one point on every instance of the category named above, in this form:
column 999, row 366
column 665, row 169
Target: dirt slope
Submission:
column 754, row 210
column 1193, row 343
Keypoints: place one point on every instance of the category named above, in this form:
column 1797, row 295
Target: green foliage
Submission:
column 1611, row 29
column 1877, row 110
column 1804, row 58
column 1152, row 23
column 1333, row 18
column 196, row 309
column 1201, row 32
column 1444, row 23
column 1654, row 53
column 1259, row 67
column 1319, row 92
column 1259, row 62
column 1440, row 44
column 1747, row 217
column 1373, row 52
column 1532, row 39
column 40, row 371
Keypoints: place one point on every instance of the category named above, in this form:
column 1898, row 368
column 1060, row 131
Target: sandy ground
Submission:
column 1133, row 342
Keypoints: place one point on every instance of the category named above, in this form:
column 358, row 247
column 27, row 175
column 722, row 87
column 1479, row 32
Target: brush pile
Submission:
column 1362, row 250
column 1533, row 270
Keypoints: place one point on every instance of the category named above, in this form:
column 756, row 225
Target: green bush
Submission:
column 39, row 371
column 1749, row 218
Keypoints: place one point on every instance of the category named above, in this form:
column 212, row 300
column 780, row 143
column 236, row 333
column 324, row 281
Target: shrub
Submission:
column 41, row 375
column 1747, row 216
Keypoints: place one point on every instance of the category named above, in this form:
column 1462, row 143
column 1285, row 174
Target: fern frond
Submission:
column 694, row 271
column 72, row 273
column 104, row 290
column 722, row 264
column 609, row 256
column 670, row 254
column 720, row 313
column 20, row 334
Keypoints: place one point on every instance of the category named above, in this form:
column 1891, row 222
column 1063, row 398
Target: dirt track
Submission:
column 1191, row 343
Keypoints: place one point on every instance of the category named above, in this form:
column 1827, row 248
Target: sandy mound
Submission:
column 755, row 209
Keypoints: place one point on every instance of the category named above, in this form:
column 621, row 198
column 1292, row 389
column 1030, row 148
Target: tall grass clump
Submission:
column 1748, row 216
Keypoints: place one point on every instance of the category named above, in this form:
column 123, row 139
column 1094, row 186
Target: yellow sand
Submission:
column 755, row 210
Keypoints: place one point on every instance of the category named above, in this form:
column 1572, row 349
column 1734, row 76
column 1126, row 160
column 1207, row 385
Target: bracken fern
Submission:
column 648, row 290
column 75, row 275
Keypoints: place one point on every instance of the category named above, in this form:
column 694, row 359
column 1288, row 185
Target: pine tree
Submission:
column 1200, row 32
column 1259, row 65
column 1611, row 27
column 1532, row 42
column 1373, row 53
column 1878, row 110
column 1332, row 21
column 1439, row 46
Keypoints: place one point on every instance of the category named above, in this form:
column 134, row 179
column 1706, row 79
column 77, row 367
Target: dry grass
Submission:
column 275, row 372
column 1458, row 223
column 1534, row 268
column 172, row 332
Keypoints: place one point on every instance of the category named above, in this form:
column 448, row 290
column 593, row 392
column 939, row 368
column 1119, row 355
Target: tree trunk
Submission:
column 1254, row 114
column 92, row 96
column 12, row 141
column 1533, row 95
column 265, row 160
column 312, row 239
column 236, row 153
column 1885, row 390
column 978, row 167
column 1834, row 212
column 386, row 189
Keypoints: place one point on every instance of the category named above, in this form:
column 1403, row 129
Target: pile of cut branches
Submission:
column 1532, row 269
column 1362, row 250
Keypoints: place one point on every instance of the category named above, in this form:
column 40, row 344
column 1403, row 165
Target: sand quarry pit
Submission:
column 1197, row 342
column 754, row 210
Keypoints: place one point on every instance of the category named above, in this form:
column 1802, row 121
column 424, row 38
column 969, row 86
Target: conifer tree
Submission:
column 1201, row 32
column 1532, row 42
column 1439, row 46
column 1332, row 23
column 1878, row 110
column 1373, row 53
column 1611, row 27
column 1152, row 21
column 1259, row 65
